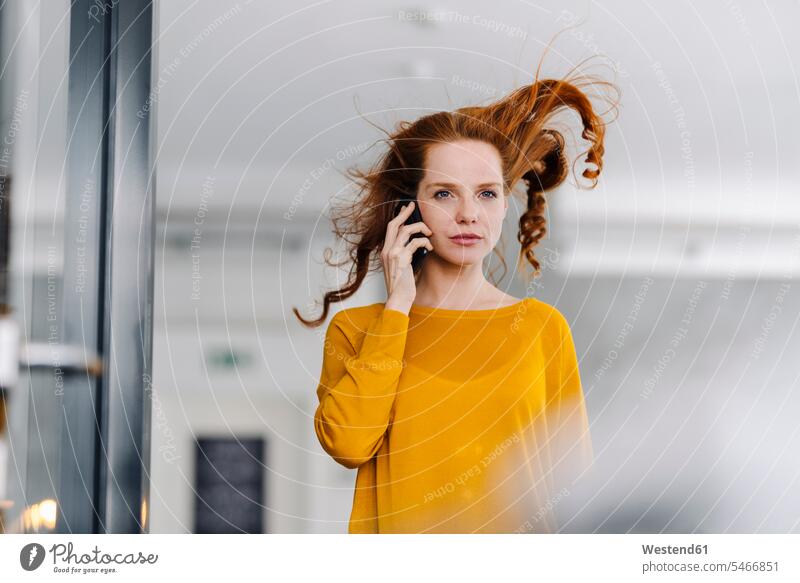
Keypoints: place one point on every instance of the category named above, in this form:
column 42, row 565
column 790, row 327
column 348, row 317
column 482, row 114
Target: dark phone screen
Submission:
column 414, row 217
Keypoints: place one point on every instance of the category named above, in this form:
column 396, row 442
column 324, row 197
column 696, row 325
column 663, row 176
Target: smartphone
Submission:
column 415, row 217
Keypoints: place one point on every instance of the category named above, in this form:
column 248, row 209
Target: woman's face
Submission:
column 461, row 193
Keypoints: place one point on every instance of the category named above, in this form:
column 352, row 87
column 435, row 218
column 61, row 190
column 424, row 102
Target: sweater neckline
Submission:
column 430, row 311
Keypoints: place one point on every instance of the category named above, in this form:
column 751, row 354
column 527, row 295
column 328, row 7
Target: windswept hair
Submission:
column 519, row 125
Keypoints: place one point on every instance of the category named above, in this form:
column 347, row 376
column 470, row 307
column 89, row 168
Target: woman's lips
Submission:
column 465, row 241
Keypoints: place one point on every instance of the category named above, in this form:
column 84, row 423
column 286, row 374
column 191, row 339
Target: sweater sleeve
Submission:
column 358, row 385
column 571, row 443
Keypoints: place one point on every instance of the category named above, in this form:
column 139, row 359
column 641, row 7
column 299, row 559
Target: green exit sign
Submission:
column 228, row 358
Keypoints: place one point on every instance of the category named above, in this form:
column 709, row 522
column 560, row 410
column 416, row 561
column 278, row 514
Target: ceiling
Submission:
column 264, row 104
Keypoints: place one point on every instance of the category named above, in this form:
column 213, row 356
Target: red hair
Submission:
column 518, row 125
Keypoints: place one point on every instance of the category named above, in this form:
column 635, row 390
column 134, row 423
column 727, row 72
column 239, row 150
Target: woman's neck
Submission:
column 446, row 285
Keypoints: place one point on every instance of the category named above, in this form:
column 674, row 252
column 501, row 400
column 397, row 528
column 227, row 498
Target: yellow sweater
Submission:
column 459, row 421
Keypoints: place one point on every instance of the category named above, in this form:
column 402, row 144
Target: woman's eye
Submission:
column 492, row 193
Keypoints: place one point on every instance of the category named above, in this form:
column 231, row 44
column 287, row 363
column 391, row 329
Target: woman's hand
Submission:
column 396, row 257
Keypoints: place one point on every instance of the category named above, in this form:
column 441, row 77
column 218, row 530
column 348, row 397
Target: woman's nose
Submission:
column 467, row 211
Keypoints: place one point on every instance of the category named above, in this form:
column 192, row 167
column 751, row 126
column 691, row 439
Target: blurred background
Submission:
column 676, row 272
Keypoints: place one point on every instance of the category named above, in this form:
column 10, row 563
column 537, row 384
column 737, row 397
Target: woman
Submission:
column 460, row 405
